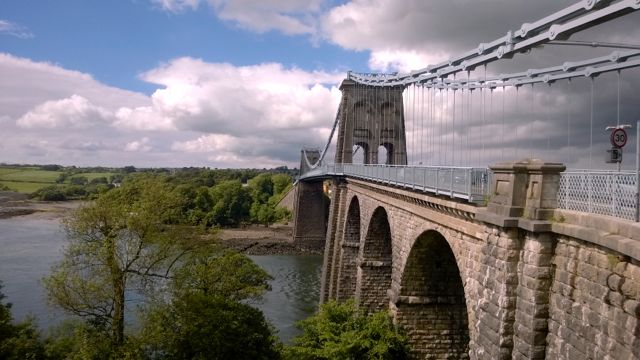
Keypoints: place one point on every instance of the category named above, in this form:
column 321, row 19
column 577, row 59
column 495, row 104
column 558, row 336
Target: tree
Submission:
column 281, row 183
column 340, row 331
column 78, row 180
column 17, row 341
column 197, row 326
column 221, row 273
column 128, row 238
column 231, row 203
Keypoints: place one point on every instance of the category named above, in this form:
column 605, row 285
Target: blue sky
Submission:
column 117, row 40
column 231, row 83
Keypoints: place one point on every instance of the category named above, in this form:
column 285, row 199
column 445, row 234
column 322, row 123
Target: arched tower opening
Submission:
column 431, row 306
column 349, row 252
column 383, row 155
column 374, row 269
column 373, row 115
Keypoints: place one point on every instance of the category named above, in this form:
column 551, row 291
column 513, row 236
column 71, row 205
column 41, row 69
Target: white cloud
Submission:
column 402, row 61
column 176, row 6
column 142, row 118
column 202, row 114
column 225, row 99
column 13, row 29
column 73, row 112
column 142, row 145
column 292, row 17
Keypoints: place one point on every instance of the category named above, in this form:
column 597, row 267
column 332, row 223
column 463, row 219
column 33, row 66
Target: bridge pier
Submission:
column 517, row 279
column 310, row 215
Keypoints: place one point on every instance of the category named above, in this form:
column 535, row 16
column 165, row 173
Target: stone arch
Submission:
column 349, row 252
column 431, row 304
column 383, row 155
column 361, row 147
column 375, row 265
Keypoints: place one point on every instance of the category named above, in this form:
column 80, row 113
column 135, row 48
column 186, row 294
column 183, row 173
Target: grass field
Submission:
column 24, row 187
column 30, row 179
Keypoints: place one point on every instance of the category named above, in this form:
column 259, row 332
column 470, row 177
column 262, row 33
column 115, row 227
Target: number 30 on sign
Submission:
column 618, row 138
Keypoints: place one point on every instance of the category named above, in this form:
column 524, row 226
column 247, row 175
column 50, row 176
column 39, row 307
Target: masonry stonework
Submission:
column 522, row 282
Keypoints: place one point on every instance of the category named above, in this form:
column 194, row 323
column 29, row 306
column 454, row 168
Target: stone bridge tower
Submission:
column 371, row 117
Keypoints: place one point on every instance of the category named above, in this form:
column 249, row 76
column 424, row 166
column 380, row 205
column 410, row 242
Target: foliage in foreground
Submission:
column 341, row 331
column 197, row 326
column 133, row 239
column 17, row 341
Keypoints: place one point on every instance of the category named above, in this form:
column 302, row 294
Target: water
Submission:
column 294, row 293
column 29, row 246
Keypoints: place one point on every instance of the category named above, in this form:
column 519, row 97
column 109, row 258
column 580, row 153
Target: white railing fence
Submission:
column 468, row 183
column 599, row 192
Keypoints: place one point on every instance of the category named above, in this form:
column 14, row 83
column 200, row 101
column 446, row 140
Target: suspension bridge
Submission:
column 476, row 204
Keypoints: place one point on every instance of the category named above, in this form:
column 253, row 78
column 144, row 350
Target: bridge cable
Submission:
column 531, row 121
column 591, row 125
column 504, row 94
column 453, row 127
column 516, row 127
column 618, row 113
column 484, row 106
column 549, row 124
column 568, row 118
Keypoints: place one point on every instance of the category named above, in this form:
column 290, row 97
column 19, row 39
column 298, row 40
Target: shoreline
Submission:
column 250, row 240
column 261, row 240
column 18, row 205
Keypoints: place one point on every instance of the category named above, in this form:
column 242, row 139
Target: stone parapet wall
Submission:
column 526, row 294
column 594, row 303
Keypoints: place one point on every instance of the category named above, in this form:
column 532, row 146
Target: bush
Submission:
column 197, row 326
column 50, row 193
column 340, row 331
column 78, row 180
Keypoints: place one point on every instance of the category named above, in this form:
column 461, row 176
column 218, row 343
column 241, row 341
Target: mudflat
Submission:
column 17, row 204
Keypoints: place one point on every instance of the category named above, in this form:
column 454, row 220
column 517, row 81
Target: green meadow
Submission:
column 29, row 179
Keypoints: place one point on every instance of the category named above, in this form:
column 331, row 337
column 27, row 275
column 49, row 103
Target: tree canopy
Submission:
column 339, row 331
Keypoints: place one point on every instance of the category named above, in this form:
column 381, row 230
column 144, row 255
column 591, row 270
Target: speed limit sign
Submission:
column 618, row 138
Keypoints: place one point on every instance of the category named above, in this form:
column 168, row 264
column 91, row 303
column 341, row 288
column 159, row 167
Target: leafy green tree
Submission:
column 78, row 180
column 340, row 331
column 51, row 193
column 126, row 239
column 281, row 183
column 222, row 273
column 17, row 341
column 231, row 204
column 197, row 326
column 99, row 180
column 261, row 188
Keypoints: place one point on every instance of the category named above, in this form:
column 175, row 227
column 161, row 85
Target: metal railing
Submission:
column 467, row 183
column 599, row 192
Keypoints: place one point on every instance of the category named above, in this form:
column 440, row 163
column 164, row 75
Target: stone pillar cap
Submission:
column 528, row 165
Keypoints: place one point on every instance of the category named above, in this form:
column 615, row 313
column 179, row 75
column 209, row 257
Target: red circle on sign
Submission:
column 618, row 138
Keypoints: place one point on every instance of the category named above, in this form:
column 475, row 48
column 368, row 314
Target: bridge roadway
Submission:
column 512, row 277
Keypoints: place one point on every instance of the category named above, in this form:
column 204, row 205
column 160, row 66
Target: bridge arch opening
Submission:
column 360, row 153
column 431, row 305
column 349, row 252
column 383, row 155
column 374, row 270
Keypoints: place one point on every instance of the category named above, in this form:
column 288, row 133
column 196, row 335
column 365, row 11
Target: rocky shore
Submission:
column 260, row 240
column 250, row 240
column 16, row 204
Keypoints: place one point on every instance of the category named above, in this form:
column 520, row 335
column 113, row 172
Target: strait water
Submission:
column 29, row 246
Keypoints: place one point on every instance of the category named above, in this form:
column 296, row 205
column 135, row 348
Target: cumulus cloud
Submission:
column 73, row 112
column 225, row 99
column 259, row 115
column 13, row 29
column 291, row 17
column 176, row 6
column 142, row 145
